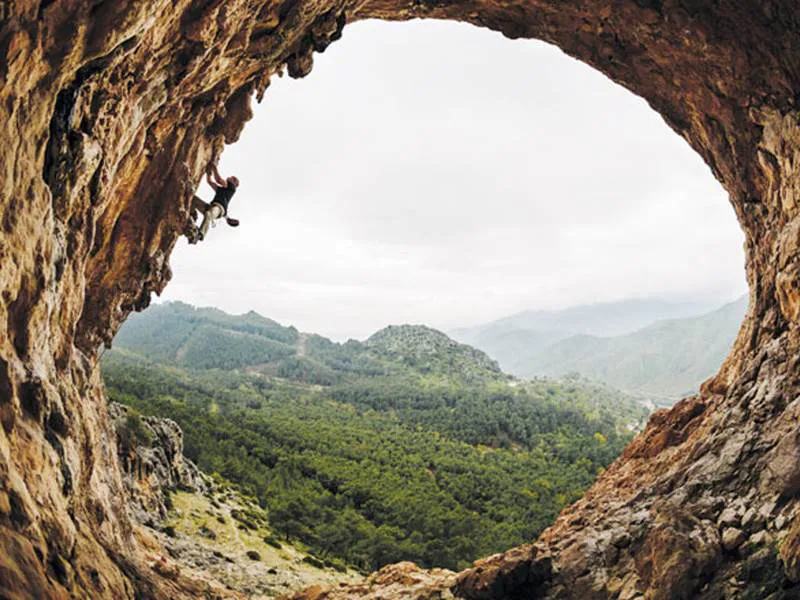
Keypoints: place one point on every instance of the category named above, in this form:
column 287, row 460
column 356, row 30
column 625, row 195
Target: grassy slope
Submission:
column 225, row 535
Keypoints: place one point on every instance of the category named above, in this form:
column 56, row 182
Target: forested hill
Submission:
column 203, row 338
column 430, row 351
column 407, row 446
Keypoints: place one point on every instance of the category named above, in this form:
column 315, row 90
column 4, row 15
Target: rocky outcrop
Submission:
column 150, row 451
column 110, row 112
column 402, row 580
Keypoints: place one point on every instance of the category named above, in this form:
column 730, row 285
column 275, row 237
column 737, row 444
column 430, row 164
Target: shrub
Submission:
column 314, row 561
column 248, row 518
column 273, row 541
column 133, row 432
column 335, row 564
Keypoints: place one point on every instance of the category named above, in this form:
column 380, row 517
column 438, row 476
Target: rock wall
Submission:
column 111, row 109
column 151, row 457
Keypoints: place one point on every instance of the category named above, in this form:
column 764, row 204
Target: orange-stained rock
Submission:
column 402, row 580
column 109, row 113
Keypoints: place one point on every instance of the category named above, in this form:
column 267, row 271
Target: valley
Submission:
column 407, row 446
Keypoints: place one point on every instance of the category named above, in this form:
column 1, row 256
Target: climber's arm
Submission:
column 210, row 180
column 213, row 177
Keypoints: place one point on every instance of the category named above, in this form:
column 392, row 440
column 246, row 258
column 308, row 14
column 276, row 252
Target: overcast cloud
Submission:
column 433, row 172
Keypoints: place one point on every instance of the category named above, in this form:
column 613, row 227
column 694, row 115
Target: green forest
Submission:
column 407, row 446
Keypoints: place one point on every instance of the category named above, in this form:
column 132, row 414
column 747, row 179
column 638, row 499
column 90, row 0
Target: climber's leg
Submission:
column 191, row 231
column 214, row 211
column 199, row 205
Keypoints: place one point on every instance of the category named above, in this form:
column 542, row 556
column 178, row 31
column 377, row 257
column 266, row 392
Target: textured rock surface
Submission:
column 151, row 457
column 110, row 111
column 402, row 580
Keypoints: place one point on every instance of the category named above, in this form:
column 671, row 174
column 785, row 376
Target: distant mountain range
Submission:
column 659, row 349
column 650, row 348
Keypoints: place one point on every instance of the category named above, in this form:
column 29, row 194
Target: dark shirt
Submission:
column 223, row 196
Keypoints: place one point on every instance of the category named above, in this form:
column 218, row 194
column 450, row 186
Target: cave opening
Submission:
column 402, row 190
column 722, row 74
column 451, row 176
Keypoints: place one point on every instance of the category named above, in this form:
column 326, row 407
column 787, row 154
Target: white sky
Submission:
column 433, row 172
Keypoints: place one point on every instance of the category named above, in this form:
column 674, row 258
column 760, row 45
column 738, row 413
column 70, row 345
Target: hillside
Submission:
column 206, row 525
column 203, row 338
column 415, row 448
column 430, row 350
column 663, row 360
column 405, row 361
column 669, row 358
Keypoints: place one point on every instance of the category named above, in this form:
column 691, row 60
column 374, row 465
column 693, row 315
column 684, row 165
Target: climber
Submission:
column 224, row 190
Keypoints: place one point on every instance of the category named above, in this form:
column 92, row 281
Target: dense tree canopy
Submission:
column 373, row 452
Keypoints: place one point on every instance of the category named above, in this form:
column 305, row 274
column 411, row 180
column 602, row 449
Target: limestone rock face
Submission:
column 109, row 112
column 151, row 457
